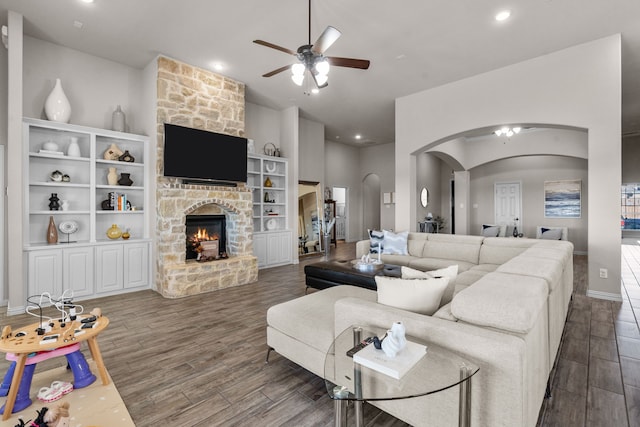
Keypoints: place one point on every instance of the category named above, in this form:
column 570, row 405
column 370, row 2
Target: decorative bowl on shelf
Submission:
column 271, row 224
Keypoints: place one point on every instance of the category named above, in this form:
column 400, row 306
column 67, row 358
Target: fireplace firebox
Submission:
column 206, row 237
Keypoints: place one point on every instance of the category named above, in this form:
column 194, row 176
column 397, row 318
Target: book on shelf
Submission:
column 395, row 367
column 118, row 201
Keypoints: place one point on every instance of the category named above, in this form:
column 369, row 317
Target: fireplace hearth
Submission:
column 206, row 237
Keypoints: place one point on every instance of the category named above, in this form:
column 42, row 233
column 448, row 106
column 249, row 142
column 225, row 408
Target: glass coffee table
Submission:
column 440, row 369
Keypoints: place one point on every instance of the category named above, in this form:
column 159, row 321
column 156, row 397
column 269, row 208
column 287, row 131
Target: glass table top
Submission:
column 438, row 370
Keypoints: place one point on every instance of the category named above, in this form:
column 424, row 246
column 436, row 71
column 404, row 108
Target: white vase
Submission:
column 74, row 149
column 118, row 120
column 57, row 107
column 112, row 177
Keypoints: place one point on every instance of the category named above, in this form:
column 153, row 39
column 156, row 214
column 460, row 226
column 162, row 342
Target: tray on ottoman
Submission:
column 322, row 275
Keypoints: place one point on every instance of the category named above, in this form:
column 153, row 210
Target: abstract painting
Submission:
column 562, row 199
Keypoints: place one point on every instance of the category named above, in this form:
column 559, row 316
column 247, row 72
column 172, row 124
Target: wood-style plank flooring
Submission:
column 199, row 361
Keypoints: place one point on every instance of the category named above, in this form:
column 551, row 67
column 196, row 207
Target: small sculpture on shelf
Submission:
column 54, row 202
column 56, row 176
column 127, row 157
column 112, row 176
column 125, row 179
column 112, row 153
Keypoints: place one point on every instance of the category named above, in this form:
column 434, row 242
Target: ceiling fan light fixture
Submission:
column 322, row 67
column 298, row 79
column 297, row 69
column 321, row 79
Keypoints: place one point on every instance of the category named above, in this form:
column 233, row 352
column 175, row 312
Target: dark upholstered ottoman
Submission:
column 322, row 275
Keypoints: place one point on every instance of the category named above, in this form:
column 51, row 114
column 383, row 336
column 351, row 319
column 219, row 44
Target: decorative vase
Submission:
column 515, row 231
column 52, row 231
column 112, row 153
column 50, row 146
column 112, row 177
column 125, row 179
column 267, row 182
column 126, row 234
column 56, row 106
column 127, row 157
column 395, row 340
column 118, row 120
column 266, row 196
column 114, row 232
column 65, row 205
column 54, row 202
column 74, row 149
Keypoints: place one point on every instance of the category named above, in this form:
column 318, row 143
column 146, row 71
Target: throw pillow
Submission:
column 418, row 296
column 451, row 272
column 395, row 243
column 376, row 240
column 551, row 233
column 490, row 230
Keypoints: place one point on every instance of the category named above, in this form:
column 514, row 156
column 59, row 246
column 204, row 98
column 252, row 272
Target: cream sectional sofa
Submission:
column 506, row 314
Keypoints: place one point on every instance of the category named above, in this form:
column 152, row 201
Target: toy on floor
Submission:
column 58, row 416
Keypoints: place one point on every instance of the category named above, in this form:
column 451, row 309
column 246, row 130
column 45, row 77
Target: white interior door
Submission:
column 508, row 204
column 340, row 196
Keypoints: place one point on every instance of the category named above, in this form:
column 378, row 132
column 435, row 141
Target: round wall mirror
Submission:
column 424, row 197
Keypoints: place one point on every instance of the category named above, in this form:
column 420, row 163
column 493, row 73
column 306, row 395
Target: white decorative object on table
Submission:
column 395, row 340
column 56, row 106
column 74, row 149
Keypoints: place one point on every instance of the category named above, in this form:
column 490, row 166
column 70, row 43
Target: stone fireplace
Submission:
column 205, row 233
column 200, row 99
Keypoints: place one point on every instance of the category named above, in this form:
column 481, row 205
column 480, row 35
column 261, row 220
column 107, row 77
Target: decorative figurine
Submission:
column 54, row 202
column 126, row 157
column 112, row 153
column 56, row 176
column 395, row 340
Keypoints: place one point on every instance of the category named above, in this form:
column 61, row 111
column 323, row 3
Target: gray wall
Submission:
column 631, row 159
column 311, row 155
column 531, row 171
column 342, row 164
column 379, row 159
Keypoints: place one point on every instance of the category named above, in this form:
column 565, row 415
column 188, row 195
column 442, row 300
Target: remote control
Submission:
column 359, row 346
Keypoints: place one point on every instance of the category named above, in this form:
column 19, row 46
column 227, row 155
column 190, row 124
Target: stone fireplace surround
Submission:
column 178, row 277
column 197, row 98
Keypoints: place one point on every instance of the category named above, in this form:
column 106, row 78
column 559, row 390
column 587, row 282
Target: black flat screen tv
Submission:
column 198, row 155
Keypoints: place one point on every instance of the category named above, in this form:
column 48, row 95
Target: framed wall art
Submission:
column 563, row 199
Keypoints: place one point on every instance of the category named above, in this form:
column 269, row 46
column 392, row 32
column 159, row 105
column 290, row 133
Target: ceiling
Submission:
column 413, row 45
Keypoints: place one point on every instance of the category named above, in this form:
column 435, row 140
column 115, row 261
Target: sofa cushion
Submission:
column 563, row 254
column 490, row 230
column 466, row 279
column 551, row 233
column 444, row 312
column 417, row 295
column 376, row 241
column 415, row 246
column 453, row 247
column 395, row 243
column 545, row 268
column 496, row 250
column 426, row 264
column 487, row 268
column 503, row 301
column 451, row 272
column 310, row 318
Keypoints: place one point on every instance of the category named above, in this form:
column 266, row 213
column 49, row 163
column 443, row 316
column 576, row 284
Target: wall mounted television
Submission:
column 198, row 155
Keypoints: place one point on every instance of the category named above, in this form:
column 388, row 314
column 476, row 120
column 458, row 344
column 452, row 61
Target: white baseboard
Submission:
column 604, row 295
column 15, row 310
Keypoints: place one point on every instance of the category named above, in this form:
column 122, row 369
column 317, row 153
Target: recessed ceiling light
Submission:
column 87, row 1
column 503, row 15
column 218, row 66
column 337, row 136
column 358, row 136
column 315, row 90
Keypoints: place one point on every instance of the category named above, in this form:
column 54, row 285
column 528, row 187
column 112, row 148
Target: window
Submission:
column 630, row 207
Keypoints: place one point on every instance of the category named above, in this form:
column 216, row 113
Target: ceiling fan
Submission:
column 311, row 58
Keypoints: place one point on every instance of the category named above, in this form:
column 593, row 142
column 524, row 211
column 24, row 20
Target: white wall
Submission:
column 578, row 87
column 262, row 124
column 531, row 172
column 94, row 86
column 378, row 159
column 342, row 165
column 311, row 154
column 428, row 172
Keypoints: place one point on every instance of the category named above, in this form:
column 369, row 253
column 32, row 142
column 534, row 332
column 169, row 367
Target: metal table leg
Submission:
column 464, row 408
column 357, row 381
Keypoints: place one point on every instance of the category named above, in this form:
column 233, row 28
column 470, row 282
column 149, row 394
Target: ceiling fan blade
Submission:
column 349, row 62
column 276, row 71
column 274, row 46
column 326, row 39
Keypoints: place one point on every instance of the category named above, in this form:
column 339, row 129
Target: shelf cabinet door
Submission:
column 279, row 248
column 109, row 268
column 77, row 270
column 136, row 263
column 45, row 272
column 260, row 248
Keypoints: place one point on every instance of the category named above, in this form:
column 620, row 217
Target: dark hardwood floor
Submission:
column 199, row 361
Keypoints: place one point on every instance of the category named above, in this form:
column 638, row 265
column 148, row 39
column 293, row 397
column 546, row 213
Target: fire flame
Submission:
column 202, row 235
